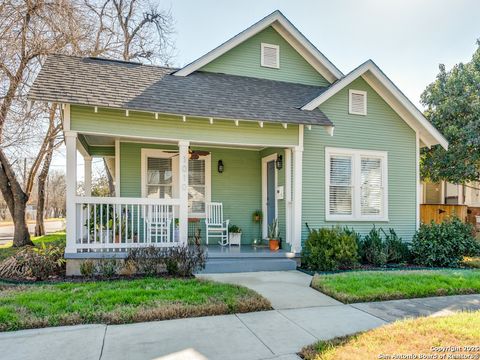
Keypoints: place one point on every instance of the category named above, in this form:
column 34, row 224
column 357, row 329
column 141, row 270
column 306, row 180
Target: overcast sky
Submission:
column 408, row 39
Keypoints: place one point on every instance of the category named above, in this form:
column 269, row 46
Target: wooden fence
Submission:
column 440, row 212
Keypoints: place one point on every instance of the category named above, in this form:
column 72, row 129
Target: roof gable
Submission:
column 244, row 60
column 389, row 92
column 289, row 32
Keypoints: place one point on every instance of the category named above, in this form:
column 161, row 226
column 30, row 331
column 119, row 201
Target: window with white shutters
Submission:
column 270, row 55
column 357, row 102
column 356, row 185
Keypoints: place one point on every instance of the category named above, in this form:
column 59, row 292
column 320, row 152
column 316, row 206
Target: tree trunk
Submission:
column 42, row 179
column 21, row 236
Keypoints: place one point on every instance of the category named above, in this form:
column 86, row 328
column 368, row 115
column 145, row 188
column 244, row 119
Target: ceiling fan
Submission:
column 193, row 154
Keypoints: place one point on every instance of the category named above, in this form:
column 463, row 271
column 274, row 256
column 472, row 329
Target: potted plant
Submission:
column 257, row 216
column 234, row 235
column 273, row 236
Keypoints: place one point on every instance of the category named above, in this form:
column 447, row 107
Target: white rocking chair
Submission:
column 214, row 223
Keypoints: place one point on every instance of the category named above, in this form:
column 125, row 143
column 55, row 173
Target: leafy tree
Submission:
column 453, row 107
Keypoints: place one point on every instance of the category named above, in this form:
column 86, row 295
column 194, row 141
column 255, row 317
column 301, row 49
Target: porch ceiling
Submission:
column 133, row 86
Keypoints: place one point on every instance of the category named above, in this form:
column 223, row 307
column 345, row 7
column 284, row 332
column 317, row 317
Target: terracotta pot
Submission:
column 274, row 244
column 257, row 218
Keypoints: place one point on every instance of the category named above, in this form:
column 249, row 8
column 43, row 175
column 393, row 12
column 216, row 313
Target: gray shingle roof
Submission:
column 116, row 84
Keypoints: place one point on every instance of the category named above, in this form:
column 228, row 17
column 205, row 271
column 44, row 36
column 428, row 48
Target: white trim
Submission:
column 71, row 188
column 392, row 95
column 288, row 195
column 265, row 160
column 262, row 55
column 66, row 117
column 418, row 181
column 356, row 155
column 183, row 190
column 87, row 163
column 117, row 167
column 358, row 92
column 297, row 153
column 287, row 31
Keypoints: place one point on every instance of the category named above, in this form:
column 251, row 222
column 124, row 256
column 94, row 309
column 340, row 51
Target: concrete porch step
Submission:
column 234, row 265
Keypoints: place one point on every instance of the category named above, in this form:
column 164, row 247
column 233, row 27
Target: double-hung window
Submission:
column 356, row 185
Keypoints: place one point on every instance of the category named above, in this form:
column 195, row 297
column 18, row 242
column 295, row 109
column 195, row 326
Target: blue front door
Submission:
column 271, row 203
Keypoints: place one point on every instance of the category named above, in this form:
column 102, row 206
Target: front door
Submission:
column 269, row 185
column 271, row 200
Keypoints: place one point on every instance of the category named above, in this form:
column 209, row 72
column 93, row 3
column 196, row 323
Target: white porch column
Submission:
column 71, row 189
column 117, row 167
column 288, row 196
column 419, row 184
column 183, row 191
column 87, row 161
column 297, row 199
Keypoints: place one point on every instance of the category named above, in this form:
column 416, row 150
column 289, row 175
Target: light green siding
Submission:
column 244, row 60
column 238, row 187
column 381, row 129
column 115, row 123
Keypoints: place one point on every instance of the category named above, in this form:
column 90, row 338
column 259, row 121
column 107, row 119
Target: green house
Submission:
column 262, row 122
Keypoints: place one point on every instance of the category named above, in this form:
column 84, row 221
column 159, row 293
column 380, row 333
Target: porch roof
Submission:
column 133, row 86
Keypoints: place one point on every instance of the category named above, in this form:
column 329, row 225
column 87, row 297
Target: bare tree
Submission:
column 29, row 30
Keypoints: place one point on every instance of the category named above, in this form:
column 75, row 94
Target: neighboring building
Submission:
column 444, row 192
column 264, row 121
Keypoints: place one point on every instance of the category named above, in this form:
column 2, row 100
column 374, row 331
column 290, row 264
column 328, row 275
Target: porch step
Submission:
column 234, row 265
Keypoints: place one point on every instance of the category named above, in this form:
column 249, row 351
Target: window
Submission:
column 356, row 185
column 357, row 102
column 196, row 186
column 159, row 178
column 160, row 171
column 270, row 56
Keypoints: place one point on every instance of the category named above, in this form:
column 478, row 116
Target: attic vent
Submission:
column 358, row 102
column 270, row 56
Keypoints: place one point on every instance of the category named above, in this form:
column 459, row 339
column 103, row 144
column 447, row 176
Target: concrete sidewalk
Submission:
column 277, row 334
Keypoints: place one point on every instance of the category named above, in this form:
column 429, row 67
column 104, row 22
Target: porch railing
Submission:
column 117, row 224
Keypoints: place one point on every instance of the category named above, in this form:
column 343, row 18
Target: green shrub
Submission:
column 185, row 261
column 329, row 249
column 396, row 250
column 373, row 248
column 444, row 244
column 87, row 268
column 108, row 267
column 147, row 260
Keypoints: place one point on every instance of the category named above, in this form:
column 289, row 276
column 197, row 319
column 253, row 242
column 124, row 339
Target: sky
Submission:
column 407, row 39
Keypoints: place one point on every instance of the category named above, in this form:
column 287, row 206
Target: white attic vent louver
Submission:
column 357, row 102
column 270, row 56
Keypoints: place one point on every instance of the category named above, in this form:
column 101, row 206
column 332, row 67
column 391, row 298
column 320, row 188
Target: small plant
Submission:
column 108, row 267
column 444, row 244
column 185, row 261
column 87, row 268
column 396, row 249
column 234, row 229
column 148, row 260
column 330, row 249
column 257, row 216
column 273, row 232
column 373, row 248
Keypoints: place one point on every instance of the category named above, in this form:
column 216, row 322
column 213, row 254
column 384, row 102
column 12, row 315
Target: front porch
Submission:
column 163, row 185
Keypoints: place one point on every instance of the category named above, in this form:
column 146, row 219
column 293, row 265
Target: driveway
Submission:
column 275, row 334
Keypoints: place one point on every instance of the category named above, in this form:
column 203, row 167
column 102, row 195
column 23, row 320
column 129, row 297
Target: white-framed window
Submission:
column 160, row 171
column 357, row 102
column 356, row 184
column 270, row 56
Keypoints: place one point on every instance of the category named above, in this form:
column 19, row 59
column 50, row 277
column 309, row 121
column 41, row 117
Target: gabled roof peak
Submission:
column 288, row 31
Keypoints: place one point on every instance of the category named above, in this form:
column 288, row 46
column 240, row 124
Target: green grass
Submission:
column 359, row 286
column 404, row 337
column 7, row 250
column 120, row 301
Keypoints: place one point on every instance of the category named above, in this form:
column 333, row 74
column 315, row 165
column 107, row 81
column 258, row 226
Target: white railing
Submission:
column 117, row 224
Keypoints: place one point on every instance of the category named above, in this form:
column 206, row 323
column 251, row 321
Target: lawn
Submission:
column 406, row 337
column 359, row 286
column 120, row 301
column 7, row 250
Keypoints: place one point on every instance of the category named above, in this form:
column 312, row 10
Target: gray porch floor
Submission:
column 245, row 251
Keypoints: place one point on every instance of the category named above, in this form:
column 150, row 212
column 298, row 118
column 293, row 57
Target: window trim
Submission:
column 161, row 153
column 262, row 63
column 356, row 155
column 359, row 92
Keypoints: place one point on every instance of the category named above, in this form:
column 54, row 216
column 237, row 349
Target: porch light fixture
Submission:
column 279, row 162
column 220, row 166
